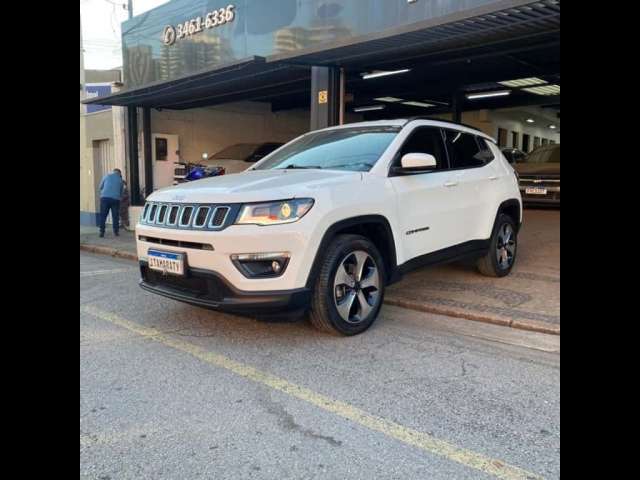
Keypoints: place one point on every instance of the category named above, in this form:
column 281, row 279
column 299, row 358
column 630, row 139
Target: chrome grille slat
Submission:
column 186, row 216
column 187, row 211
column 197, row 217
column 172, row 209
column 153, row 210
column 162, row 214
column 218, row 217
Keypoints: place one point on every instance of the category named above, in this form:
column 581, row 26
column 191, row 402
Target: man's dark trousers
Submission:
column 107, row 204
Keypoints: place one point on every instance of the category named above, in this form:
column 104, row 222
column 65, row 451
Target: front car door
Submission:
column 424, row 203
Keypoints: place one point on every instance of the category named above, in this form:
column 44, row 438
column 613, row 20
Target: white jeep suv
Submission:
column 325, row 222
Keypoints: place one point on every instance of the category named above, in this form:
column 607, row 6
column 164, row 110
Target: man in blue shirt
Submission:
column 111, row 188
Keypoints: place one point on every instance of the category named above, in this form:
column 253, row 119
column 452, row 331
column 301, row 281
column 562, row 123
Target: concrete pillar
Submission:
column 119, row 118
column 325, row 97
column 148, row 160
column 132, row 157
column 456, row 106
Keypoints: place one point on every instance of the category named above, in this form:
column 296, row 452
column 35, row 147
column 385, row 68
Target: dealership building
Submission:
column 201, row 75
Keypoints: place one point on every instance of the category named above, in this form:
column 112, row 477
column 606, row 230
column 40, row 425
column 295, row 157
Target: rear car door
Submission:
column 425, row 205
column 473, row 181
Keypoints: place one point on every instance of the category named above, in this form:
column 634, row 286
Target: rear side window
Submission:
column 465, row 151
column 425, row 140
column 485, row 152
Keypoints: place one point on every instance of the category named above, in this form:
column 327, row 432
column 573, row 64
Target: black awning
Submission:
column 525, row 27
column 249, row 79
column 490, row 26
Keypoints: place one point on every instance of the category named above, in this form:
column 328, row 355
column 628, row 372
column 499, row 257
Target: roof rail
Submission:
column 424, row 117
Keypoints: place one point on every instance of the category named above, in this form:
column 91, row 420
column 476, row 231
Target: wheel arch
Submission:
column 374, row 227
column 513, row 208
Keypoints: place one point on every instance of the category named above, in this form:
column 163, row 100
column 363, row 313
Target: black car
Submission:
column 539, row 174
column 514, row 155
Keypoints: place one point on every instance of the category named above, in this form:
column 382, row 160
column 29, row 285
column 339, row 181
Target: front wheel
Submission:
column 349, row 290
column 501, row 256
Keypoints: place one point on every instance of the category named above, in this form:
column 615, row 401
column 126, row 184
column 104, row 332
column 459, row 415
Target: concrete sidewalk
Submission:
column 528, row 299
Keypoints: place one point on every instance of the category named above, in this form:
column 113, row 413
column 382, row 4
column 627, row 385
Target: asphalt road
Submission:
column 171, row 391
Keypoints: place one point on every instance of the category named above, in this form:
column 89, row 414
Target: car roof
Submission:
column 401, row 122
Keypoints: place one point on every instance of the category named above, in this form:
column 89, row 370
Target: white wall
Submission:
column 514, row 120
column 214, row 128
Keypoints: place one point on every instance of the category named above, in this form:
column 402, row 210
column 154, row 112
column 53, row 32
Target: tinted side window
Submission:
column 463, row 149
column 425, row 140
column 485, row 152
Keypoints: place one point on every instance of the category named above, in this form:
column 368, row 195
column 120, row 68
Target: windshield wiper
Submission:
column 300, row 166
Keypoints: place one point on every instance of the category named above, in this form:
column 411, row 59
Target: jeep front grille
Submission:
column 189, row 216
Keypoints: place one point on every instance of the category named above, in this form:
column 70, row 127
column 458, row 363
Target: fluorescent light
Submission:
column 382, row 73
column 418, row 104
column 388, row 99
column 523, row 82
column 544, row 90
column 530, row 120
column 369, row 108
column 552, row 127
column 499, row 93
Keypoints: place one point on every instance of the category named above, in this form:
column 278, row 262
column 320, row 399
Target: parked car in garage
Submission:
column 513, row 155
column 238, row 157
column 539, row 174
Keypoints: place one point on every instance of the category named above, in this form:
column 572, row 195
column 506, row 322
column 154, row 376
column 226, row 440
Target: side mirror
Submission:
column 418, row 161
column 205, row 156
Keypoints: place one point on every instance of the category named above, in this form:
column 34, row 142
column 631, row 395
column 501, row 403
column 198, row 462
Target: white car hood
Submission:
column 255, row 186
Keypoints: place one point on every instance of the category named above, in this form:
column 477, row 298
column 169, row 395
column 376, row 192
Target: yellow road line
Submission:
column 93, row 273
column 406, row 435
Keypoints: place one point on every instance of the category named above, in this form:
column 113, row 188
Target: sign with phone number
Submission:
column 213, row 19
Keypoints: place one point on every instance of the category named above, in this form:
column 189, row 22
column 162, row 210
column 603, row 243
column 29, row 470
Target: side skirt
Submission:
column 466, row 250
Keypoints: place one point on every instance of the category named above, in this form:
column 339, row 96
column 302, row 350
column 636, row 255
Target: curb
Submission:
column 113, row 252
column 530, row 325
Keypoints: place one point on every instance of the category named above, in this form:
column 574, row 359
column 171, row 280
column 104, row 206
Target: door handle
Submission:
column 450, row 184
column 493, row 177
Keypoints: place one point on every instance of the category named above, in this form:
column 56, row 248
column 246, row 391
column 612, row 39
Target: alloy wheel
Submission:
column 356, row 286
column 505, row 246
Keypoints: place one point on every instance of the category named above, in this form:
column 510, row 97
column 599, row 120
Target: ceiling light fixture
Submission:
column 530, row 120
column 369, row 108
column 552, row 127
column 498, row 93
column 382, row 73
column 552, row 89
column 388, row 99
column 419, row 104
column 523, row 82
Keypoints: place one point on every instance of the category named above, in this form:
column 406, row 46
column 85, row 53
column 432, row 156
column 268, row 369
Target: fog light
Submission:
column 261, row 265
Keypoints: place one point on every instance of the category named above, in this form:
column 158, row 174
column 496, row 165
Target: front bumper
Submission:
column 206, row 288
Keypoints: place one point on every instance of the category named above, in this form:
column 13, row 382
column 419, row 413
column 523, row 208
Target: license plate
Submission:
column 166, row 262
column 535, row 191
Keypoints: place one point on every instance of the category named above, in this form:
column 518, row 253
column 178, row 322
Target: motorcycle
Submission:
column 189, row 172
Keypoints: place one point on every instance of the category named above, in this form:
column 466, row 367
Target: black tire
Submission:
column 324, row 314
column 489, row 264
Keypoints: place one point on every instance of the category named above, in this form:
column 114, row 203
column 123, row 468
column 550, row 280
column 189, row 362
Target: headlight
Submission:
column 274, row 213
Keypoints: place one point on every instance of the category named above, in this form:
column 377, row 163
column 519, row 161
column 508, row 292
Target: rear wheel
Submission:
column 349, row 290
column 501, row 256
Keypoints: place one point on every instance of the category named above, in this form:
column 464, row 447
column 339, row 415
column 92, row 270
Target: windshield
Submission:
column 239, row 151
column 544, row 155
column 355, row 149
